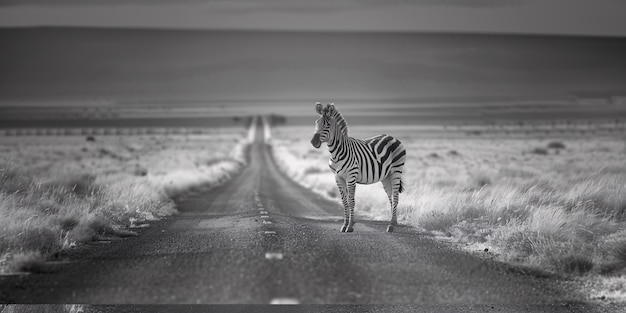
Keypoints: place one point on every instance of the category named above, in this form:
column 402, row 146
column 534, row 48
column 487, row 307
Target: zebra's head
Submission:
column 322, row 124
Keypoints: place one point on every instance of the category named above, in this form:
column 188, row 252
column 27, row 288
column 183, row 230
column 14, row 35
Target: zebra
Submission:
column 363, row 161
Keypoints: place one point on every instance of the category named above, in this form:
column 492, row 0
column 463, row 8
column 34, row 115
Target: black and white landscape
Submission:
column 166, row 158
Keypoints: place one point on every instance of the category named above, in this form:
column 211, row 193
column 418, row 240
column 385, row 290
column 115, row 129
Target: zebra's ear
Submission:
column 318, row 108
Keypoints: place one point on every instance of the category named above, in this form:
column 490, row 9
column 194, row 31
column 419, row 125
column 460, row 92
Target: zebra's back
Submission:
column 386, row 156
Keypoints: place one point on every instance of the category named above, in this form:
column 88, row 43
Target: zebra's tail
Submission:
column 401, row 189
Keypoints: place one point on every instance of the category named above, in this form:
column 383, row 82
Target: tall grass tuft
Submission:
column 12, row 177
column 618, row 250
column 575, row 264
column 79, row 184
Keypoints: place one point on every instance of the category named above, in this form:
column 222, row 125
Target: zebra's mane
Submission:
column 341, row 122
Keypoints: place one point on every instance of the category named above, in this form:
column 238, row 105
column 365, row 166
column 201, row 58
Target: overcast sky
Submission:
column 573, row 17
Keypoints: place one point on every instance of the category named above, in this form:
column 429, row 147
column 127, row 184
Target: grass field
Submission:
column 548, row 200
column 59, row 191
column 48, row 308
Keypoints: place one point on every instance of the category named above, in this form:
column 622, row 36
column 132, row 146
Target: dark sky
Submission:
column 265, row 66
column 572, row 17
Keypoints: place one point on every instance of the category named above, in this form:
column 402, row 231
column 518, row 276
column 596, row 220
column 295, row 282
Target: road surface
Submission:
column 260, row 238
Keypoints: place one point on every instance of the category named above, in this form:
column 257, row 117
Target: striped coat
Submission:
column 363, row 161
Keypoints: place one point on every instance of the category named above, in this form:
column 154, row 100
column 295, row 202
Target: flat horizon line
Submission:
column 311, row 31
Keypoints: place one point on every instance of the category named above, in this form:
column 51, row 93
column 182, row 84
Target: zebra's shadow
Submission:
column 335, row 221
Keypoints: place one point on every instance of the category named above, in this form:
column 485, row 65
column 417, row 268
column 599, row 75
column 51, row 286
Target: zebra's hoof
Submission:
column 350, row 229
column 390, row 229
column 344, row 228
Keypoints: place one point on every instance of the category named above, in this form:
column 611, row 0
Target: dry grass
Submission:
column 48, row 308
column 560, row 212
column 57, row 192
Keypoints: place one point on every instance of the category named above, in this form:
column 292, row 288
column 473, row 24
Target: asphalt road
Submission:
column 260, row 238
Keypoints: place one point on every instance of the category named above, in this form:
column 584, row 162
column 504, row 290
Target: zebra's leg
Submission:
column 395, row 191
column 351, row 187
column 388, row 186
column 341, row 185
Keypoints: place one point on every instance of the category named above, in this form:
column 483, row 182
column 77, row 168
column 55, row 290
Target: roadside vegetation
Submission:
column 552, row 201
column 58, row 191
column 48, row 308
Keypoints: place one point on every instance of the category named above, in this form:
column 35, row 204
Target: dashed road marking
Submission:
column 273, row 255
column 270, row 232
column 263, row 212
column 287, row 301
column 265, row 216
column 266, row 222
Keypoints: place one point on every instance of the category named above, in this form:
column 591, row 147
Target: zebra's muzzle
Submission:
column 316, row 142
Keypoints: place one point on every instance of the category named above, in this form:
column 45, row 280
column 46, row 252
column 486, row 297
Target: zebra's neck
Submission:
column 337, row 144
column 340, row 124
